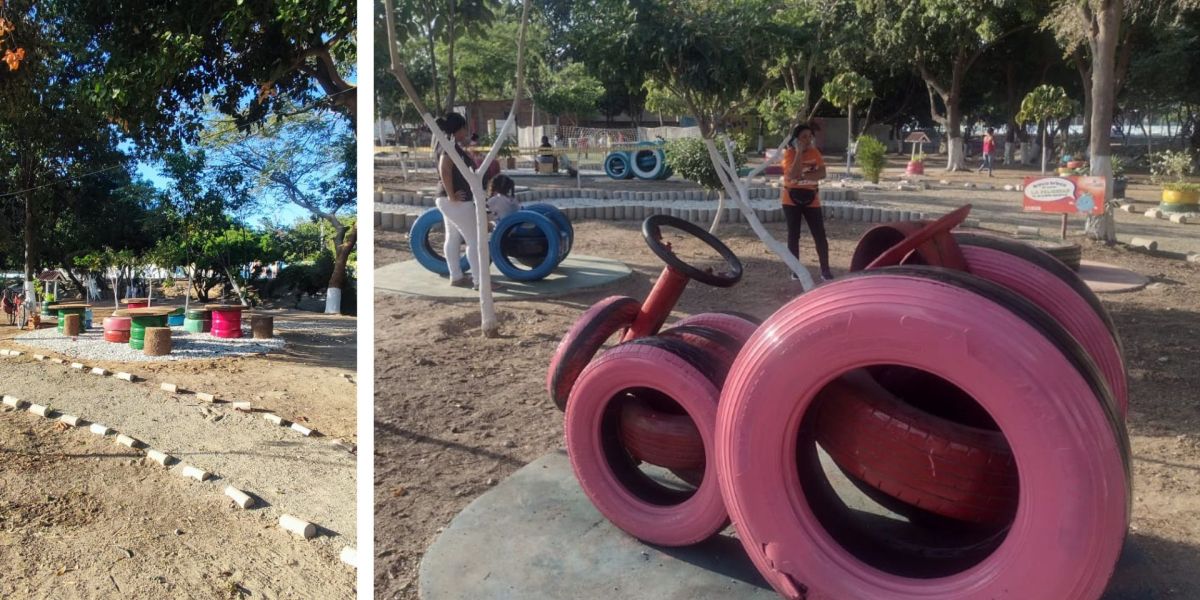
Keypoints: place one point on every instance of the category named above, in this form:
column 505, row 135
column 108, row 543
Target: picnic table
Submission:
column 63, row 309
column 141, row 318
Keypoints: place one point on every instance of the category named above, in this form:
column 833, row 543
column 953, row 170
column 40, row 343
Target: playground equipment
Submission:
column 176, row 318
column 970, row 385
column 646, row 161
column 525, row 246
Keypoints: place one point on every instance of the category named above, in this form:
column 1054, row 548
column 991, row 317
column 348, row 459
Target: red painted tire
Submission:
column 1057, row 290
column 1070, row 447
column 737, row 325
column 117, row 323
column 609, row 477
column 940, row 466
column 583, row 340
column 663, row 435
column 116, row 336
column 663, row 438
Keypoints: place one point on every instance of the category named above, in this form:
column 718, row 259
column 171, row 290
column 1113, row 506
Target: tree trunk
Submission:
column 451, row 76
column 1043, row 150
column 30, row 295
column 955, row 160
column 437, row 94
column 1107, row 23
column 849, row 135
column 344, row 242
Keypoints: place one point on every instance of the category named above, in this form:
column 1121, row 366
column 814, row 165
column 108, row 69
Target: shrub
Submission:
column 1168, row 166
column 689, row 158
column 872, row 156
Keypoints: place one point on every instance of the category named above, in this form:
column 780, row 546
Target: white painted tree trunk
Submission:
column 740, row 192
column 1043, row 152
column 955, row 161
column 333, row 301
column 473, row 176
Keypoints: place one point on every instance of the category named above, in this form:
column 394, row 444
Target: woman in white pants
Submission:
column 457, row 204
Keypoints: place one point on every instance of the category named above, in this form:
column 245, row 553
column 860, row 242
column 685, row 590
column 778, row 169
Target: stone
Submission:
column 99, row 371
column 349, row 556
column 262, row 327
column 157, row 341
column 298, row 526
column 206, row 397
column 195, row 473
column 1181, row 219
column 127, row 441
column 71, row 420
column 40, row 410
column 161, row 458
column 169, row 387
column 240, row 498
column 13, row 402
column 99, row 429
column 1154, row 213
column 125, row 376
column 242, row 406
column 302, row 430
column 1129, row 208
column 1144, row 243
column 77, row 366
column 273, row 418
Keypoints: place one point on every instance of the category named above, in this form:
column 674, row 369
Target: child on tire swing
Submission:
column 502, row 202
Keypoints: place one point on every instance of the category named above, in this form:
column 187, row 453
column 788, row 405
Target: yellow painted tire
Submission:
column 1180, row 197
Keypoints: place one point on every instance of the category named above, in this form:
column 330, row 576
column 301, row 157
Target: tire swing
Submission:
column 531, row 240
column 424, row 249
column 1040, row 387
column 559, row 217
column 617, row 165
column 648, row 163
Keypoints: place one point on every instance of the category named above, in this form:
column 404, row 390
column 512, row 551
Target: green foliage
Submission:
column 1118, row 165
column 1183, row 186
column 1045, row 102
column 847, row 89
column 570, row 90
column 783, row 109
column 1171, row 166
column 872, row 156
column 689, row 158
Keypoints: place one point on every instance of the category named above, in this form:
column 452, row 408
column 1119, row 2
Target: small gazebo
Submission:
column 50, row 280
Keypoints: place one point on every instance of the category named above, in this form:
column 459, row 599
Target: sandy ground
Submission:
column 455, row 412
column 72, row 503
column 82, row 517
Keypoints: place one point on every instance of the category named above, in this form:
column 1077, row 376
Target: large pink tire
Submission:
column 609, row 477
column 739, row 327
column 583, row 341
column 1070, row 448
column 1048, row 284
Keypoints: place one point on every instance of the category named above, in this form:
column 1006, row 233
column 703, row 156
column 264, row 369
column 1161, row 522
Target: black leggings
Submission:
column 796, row 216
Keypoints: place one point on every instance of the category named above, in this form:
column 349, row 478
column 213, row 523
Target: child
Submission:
column 501, row 203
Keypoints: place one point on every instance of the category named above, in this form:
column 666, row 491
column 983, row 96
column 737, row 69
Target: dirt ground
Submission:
column 83, row 517
column 456, row 412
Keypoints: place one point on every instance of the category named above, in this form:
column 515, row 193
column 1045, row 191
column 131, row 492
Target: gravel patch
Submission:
column 185, row 346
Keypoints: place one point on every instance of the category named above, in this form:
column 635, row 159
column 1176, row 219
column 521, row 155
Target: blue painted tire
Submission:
column 617, row 166
column 418, row 239
column 559, row 218
column 527, row 222
column 648, row 163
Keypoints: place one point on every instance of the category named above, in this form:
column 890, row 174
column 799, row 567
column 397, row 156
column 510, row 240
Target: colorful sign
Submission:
column 1073, row 194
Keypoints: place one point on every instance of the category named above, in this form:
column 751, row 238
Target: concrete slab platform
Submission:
column 1104, row 278
column 536, row 536
column 577, row 272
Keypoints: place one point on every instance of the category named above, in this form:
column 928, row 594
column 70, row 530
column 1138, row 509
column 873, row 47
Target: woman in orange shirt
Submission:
column 803, row 169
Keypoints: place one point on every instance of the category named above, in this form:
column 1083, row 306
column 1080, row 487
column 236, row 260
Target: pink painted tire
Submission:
column 1070, row 447
column 609, row 477
column 1044, row 281
column 736, row 325
column 583, row 340
column 116, row 323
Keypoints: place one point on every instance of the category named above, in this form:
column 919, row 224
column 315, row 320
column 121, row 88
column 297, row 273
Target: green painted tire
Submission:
column 137, row 328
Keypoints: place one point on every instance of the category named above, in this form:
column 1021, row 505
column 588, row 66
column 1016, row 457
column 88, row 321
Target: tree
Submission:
column 689, row 158
column 944, row 40
column 474, row 175
column 1045, row 103
column 435, row 22
column 844, row 91
column 291, row 163
column 166, row 61
column 569, row 91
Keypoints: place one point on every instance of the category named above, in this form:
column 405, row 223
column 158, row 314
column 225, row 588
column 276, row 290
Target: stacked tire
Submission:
column 975, row 392
column 525, row 246
column 197, row 321
column 646, row 162
column 116, row 329
column 530, row 243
